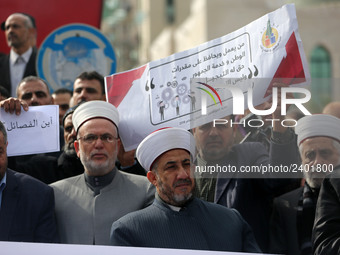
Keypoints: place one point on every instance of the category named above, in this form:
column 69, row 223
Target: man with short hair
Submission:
column 177, row 219
column 26, row 204
column 20, row 31
column 87, row 204
column 62, row 97
column 31, row 91
column 293, row 213
column 88, row 86
column 34, row 91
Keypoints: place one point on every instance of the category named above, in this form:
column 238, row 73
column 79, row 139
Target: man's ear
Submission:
column 119, row 146
column 119, row 151
column 193, row 131
column 32, row 33
column 76, row 147
column 152, row 178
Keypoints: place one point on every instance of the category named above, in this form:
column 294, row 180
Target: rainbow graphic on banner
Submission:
column 209, row 93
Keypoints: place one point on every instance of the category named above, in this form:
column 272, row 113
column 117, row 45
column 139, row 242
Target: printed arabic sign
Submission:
column 71, row 50
column 159, row 94
column 32, row 132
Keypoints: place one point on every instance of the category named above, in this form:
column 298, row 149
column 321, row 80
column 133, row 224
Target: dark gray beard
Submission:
column 173, row 199
column 69, row 151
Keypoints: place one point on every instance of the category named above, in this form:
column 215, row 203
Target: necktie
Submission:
column 20, row 60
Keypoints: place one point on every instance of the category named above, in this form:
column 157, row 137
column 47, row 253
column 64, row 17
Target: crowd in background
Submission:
column 92, row 191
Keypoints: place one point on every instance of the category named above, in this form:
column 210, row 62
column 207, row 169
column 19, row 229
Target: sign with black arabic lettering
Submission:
column 159, row 94
column 32, row 132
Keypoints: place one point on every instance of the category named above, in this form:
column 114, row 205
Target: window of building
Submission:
column 170, row 11
column 321, row 73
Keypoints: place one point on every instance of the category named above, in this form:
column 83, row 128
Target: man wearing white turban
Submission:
column 177, row 219
column 87, row 204
column 293, row 213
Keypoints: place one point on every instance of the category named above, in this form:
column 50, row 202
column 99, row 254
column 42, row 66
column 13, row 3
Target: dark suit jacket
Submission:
column 27, row 210
column 199, row 225
column 326, row 231
column 253, row 197
column 284, row 233
column 5, row 79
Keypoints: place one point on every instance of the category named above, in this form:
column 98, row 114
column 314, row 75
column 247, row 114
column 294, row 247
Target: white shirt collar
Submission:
column 26, row 55
column 175, row 208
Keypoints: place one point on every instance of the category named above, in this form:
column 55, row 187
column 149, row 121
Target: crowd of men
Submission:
column 94, row 192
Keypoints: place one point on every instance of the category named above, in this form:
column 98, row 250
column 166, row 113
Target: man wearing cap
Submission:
column 293, row 214
column 88, row 86
column 20, row 32
column 87, row 204
column 176, row 219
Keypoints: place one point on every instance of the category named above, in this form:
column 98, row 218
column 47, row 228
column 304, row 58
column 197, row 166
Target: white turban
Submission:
column 162, row 141
column 94, row 109
column 317, row 125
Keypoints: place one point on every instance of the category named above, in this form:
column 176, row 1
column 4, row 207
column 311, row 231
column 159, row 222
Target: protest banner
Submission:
column 32, row 132
column 21, row 248
column 165, row 93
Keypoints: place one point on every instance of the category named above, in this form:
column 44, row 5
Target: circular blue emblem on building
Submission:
column 72, row 49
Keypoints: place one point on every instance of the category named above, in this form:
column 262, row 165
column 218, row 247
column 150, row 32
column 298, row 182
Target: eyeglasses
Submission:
column 106, row 138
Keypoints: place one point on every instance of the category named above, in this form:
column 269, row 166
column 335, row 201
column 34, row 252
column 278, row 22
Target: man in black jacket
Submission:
column 294, row 212
column 20, row 32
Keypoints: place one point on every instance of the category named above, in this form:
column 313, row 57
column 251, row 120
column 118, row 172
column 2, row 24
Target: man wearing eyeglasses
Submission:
column 87, row 204
column 31, row 91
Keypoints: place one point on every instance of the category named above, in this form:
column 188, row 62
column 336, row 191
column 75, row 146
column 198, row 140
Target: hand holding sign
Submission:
column 34, row 131
column 12, row 105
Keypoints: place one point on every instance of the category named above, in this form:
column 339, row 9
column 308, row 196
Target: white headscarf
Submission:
column 317, row 125
column 94, row 109
column 162, row 141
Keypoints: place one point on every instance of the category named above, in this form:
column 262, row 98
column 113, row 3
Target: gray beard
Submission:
column 95, row 168
column 69, row 150
column 170, row 197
